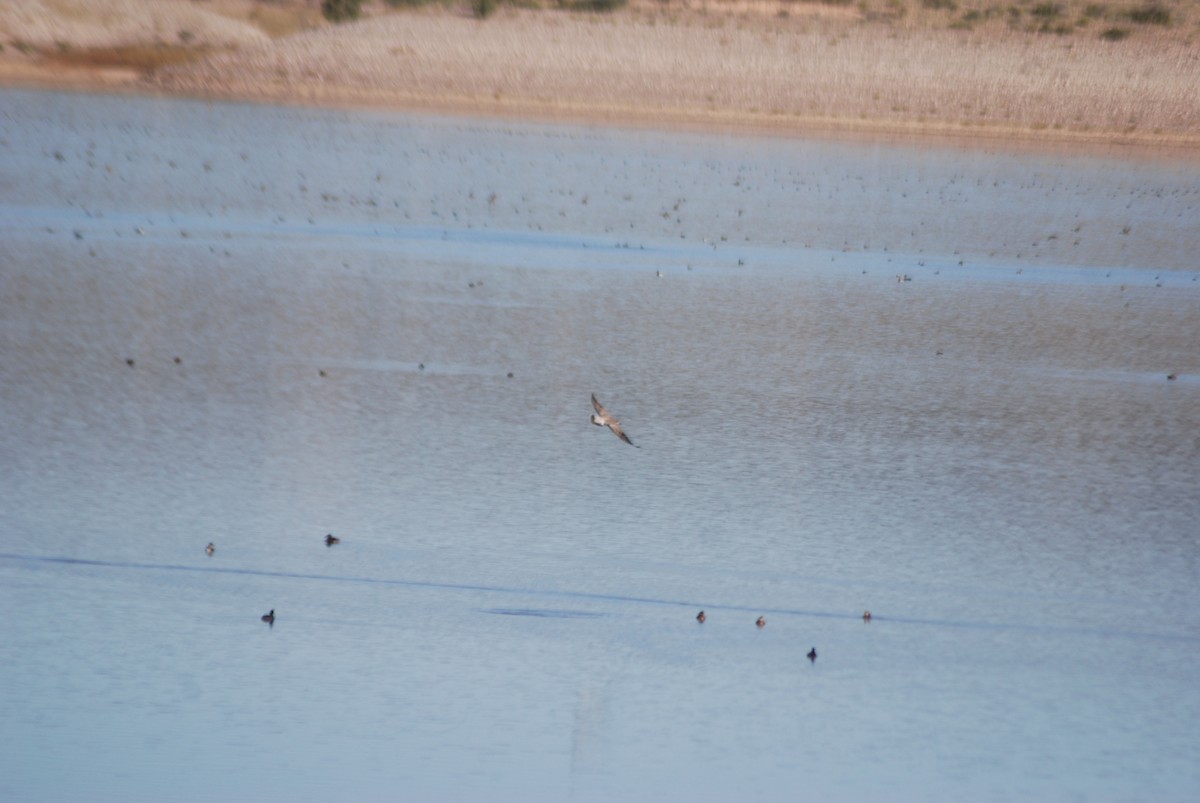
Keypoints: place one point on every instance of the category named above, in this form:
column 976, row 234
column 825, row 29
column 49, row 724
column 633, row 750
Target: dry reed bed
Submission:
column 764, row 71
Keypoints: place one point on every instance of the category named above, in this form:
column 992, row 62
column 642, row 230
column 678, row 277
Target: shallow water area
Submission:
column 931, row 383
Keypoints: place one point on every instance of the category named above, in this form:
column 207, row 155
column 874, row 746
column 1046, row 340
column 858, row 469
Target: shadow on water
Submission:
column 589, row 595
column 543, row 613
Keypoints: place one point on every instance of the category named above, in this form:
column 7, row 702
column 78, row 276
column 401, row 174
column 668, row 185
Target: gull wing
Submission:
column 615, row 426
column 607, row 419
column 600, row 411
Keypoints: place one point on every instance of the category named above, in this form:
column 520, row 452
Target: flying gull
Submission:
column 603, row 418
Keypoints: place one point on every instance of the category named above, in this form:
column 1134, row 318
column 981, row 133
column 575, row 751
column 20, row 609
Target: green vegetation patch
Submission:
column 341, row 10
column 594, row 5
column 1150, row 14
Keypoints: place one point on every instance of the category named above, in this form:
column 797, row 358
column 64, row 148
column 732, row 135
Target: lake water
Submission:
column 323, row 310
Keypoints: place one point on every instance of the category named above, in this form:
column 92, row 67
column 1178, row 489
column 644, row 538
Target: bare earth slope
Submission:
column 815, row 67
column 547, row 63
column 113, row 23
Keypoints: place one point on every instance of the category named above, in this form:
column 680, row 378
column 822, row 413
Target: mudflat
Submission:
column 1041, row 72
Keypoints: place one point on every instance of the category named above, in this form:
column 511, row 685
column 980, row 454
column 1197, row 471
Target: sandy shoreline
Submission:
column 825, row 73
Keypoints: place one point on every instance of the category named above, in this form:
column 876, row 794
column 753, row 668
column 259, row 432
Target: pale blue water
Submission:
column 988, row 457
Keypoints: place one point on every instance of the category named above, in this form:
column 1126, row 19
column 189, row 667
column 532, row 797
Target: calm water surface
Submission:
column 323, row 310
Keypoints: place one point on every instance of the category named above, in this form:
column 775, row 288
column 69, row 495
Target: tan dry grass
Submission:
column 1061, row 18
column 882, row 65
column 754, row 69
column 83, row 24
column 276, row 19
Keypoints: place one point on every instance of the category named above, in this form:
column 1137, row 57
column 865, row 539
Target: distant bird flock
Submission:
column 601, row 418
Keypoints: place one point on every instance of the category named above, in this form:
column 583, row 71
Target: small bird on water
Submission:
column 700, row 617
column 269, row 618
column 762, row 622
column 210, row 549
column 332, row 539
column 812, row 655
column 603, row 418
column 866, row 616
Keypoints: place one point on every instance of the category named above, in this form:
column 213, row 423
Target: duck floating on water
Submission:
column 700, row 617
column 332, row 539
column 210, row 549
column 269, row 618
